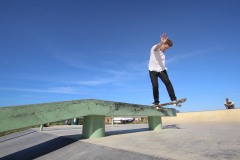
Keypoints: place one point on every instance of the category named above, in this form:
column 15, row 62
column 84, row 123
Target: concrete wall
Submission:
column 232, row 115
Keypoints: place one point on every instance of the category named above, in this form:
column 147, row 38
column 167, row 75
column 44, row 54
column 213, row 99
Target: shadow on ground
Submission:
column 110, row 133
column 174, row 126
column 40, row 149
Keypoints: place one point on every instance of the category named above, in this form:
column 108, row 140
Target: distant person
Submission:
column 157, row 69
column 228, row 104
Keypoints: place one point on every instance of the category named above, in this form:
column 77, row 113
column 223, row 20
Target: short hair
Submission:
column 169, row 42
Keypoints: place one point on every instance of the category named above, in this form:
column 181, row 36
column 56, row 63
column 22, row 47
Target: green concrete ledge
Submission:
column 94, row 113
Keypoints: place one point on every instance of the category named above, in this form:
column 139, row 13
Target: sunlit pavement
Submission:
column 129, row 141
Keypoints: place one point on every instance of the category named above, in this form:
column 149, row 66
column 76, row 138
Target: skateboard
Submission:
column 178, row 103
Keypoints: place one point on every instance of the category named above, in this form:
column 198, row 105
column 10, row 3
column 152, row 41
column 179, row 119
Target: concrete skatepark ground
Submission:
column 205, row 140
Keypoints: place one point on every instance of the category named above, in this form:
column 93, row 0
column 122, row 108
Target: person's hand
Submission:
column 164, row 38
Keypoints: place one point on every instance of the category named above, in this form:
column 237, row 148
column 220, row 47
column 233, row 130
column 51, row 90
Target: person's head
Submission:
column 227, row 99
column 166, row 45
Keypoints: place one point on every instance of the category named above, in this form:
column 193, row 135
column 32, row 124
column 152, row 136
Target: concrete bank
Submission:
column 197, row 135
column 226, row 116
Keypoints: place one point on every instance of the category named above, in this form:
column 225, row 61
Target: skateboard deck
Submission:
column 178, row 103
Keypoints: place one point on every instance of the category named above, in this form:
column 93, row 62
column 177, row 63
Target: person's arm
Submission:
column 226, row 105
column 162, row 41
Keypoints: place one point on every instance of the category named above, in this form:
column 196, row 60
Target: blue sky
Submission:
column 58, row 50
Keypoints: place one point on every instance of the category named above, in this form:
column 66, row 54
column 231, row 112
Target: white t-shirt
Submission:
column 157, row 60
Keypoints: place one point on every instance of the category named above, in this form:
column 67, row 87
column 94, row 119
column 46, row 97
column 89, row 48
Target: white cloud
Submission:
column 63, row 90
column 190, row 54
column 94, row 82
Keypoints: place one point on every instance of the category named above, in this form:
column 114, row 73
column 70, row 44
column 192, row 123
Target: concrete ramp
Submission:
column 218, row 116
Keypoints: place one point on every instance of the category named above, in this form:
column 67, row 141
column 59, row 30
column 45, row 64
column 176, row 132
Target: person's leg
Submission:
column 154, row 79
column 165, row 79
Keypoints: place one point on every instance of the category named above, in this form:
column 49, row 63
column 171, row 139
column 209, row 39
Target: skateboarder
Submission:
column 228, row 104
column 157, row 69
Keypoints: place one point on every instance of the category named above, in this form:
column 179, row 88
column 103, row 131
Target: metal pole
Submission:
column 112, row 121
column 41, row 128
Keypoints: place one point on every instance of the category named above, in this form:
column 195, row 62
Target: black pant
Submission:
column 165, row 79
